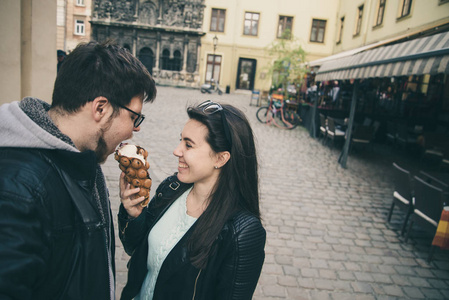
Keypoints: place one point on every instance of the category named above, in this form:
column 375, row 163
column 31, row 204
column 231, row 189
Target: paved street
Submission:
column 327, row 236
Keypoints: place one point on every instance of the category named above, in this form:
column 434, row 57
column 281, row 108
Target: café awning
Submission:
column 426, row 55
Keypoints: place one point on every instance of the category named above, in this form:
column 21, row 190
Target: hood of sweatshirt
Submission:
column 26, row 124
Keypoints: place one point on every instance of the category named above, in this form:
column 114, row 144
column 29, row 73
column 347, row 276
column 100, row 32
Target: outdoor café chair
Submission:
column 427, row 207
column 431, row 179
column 402, row 195
column 334, row 133
column 391, row 133
column 362, row 135
column 323, row 127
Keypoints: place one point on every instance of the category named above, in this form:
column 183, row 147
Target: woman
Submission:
column 201, row 236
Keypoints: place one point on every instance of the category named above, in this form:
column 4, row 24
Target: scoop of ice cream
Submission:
column 133, row 162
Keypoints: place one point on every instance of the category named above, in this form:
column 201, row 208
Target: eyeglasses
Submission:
column 209, row 107
column 138, row 120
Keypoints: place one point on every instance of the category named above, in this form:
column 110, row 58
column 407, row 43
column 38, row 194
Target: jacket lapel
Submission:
column 177, row 258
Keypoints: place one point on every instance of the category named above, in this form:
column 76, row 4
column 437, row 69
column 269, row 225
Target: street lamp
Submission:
column 215, row 42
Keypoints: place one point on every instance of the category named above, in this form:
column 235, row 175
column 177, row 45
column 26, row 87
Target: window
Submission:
column 405, row 8
column 217, row 21
column 285, row 27
column 251, row 24
column 340, row 30
column 318, row 29
column 146, row 56
column 171, row 64
column 358, row 24
column 79, row 27
column 213, row 67
column 380, row 12
column 80, row 3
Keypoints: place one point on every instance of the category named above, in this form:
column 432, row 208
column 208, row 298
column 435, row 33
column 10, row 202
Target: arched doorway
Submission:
column 165, row 60
column 147, row 58
column 177, row 61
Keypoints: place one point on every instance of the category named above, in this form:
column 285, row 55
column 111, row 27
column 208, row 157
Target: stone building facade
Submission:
column 164, row 34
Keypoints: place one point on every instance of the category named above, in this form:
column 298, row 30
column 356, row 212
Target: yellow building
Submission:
column 374, row 40
column 244, row 28
column 391, row 65
column 175, row 38
column 364, row 22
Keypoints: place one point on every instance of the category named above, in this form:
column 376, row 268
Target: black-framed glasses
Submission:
column 138, row 120
column 209, row 107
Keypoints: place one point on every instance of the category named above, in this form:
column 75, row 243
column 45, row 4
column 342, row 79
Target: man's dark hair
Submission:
column 101, row 69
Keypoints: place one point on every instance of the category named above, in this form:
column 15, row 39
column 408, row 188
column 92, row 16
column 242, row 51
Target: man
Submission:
column 56, row 233
column 61, row 56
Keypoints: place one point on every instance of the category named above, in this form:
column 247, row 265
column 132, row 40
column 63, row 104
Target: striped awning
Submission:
column 426, row 55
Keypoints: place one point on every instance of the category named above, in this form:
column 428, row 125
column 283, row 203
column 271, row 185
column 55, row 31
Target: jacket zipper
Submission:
column 194, row 288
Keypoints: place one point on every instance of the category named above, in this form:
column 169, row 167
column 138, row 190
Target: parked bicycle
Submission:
column 277, row 114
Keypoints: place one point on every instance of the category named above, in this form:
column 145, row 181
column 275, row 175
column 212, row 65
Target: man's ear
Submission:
column 100, row 107
column 222, row 158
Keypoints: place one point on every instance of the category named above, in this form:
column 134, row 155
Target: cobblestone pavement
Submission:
column 327, row 236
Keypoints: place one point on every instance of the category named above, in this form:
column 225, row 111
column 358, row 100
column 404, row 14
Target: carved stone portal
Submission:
column 173, row 13
column 146, row 28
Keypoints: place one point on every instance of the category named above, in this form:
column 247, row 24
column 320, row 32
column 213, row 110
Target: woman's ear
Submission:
column 222, row 158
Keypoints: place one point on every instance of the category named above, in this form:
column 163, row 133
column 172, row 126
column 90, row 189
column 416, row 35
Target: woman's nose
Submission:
column 177, row 152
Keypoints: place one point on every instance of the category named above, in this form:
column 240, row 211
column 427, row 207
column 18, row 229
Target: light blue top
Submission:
column 162, row 239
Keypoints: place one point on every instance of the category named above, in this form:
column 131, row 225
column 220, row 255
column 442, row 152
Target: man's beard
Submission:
column 101, row 152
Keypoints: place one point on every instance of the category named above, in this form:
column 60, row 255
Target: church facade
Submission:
column 164, row 34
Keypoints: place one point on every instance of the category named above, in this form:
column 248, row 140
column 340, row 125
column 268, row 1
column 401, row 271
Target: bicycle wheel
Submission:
column 292, row 118
column 262, row 114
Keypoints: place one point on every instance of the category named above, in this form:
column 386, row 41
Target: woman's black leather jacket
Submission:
column 232, row 271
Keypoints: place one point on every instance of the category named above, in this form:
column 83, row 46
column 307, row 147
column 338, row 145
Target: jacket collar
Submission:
column 79, row 165
column 78, row 172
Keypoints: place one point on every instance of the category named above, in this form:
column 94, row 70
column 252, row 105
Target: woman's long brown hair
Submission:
column 237, row 187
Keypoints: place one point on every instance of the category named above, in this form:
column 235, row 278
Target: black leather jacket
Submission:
column 231, row 273
column 52, row 236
